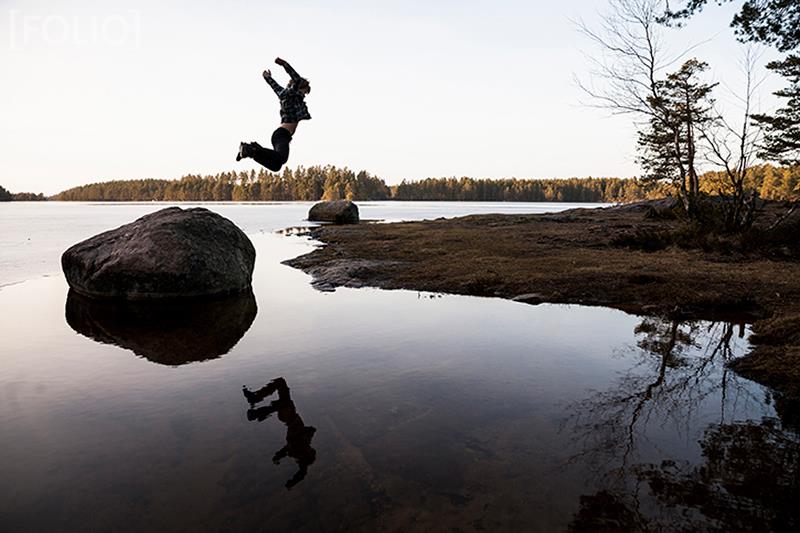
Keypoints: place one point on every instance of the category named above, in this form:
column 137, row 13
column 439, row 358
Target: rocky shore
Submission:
column 615, row 257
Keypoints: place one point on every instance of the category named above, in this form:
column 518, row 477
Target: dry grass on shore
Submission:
column 590, row 257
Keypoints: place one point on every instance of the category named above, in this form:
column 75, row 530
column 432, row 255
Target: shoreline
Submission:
column 577, row 257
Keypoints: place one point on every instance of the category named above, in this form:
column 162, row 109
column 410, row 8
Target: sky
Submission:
column 99, row 90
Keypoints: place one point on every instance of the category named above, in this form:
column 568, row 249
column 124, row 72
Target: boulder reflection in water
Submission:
column 169, row 333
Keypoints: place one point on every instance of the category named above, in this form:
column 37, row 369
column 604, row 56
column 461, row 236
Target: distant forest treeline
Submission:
column 6, row 196
column 331, row 183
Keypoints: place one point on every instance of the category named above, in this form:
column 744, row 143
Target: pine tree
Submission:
column 775, row 22
column 668, row 145
column 782, row 130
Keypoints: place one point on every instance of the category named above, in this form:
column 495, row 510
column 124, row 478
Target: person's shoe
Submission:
column 251, row 397
column 243, row 151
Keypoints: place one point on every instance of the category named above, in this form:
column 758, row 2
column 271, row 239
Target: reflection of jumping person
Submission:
column 298, row 435
column 293, row 110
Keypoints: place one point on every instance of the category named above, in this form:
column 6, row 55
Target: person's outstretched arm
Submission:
column 272, row 83
column 289, row 70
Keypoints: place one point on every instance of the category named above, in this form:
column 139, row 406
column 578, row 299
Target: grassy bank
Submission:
column 592, row 257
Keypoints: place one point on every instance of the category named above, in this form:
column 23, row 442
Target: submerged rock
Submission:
column 173, row 332
column 338, row 212
column 167, row 254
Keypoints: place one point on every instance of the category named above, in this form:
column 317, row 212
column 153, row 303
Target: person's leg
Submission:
column 281, row 138
column 272, row 159
column 260, row 413
column 277, row 384
column 264, row 156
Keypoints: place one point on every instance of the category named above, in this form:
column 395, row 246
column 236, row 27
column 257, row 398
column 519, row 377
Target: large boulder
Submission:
column 172, row 332
column 337, row 211
column 167, row 254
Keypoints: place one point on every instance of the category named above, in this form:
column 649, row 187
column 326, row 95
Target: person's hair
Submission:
column 299, row 84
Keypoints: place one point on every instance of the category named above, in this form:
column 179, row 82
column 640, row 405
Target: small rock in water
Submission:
column 338, row 212
column 171, row 253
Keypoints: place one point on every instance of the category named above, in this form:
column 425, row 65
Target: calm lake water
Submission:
column 397, row 410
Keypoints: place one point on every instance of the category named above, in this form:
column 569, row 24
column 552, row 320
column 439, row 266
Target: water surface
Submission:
column 401, row 410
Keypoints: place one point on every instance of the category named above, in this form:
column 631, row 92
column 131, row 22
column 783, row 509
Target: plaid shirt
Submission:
column 293, row 105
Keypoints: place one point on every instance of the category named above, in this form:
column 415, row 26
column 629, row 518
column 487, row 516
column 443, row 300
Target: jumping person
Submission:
column 293, row 110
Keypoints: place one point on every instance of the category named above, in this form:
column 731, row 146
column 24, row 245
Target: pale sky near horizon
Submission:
column 100, row 90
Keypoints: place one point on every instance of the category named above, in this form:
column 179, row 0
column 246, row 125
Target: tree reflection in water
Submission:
column 749, row 476
column 298, row 435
